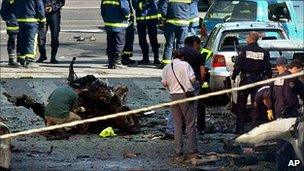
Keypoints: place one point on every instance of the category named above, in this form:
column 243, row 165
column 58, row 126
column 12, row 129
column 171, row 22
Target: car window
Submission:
column 299, row 10
column 235, row 10
column 212, row 38
column 238, row 37
column 279, row 12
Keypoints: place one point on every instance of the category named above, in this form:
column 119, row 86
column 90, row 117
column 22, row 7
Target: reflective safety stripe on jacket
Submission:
column 12, row 28
column 125, row 25
column 178, row 22
column 30, row 20
column 207, row 52
column 150, row 17
column 110, row 2
column 193, row 20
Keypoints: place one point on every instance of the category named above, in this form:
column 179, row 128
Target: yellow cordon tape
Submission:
column 71, row 124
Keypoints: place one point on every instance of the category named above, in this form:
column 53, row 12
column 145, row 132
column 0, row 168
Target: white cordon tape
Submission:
column 74, row 123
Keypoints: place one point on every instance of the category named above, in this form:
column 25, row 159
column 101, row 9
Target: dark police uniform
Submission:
column 115, row 15
column 30, row 14
column 263, row 101
column 53, row 22
column 7, row 14
column 253, row 64
column 286, row 105
column 147, row 18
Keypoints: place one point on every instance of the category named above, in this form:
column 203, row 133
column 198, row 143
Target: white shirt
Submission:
column 184, row 73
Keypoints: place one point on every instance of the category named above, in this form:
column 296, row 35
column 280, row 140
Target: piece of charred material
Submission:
column 100, row 99
column 5, row 148
column 27, row 102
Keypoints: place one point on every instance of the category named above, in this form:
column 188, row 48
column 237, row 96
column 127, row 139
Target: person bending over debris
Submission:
column 62, row 101
column 179, row 77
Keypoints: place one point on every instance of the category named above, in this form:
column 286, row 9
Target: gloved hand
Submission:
column 161, row 24
column 270, row 115
column 48, row 9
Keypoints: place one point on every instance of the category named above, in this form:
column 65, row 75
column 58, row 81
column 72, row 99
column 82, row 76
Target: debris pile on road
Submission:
column 98, row 98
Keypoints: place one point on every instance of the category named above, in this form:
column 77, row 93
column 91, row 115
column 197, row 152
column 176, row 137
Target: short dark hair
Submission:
column 296, row 63
column 191, row 40
column 179, row 53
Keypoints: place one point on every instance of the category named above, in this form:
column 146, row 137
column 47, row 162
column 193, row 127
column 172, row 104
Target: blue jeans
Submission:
column 170, row 35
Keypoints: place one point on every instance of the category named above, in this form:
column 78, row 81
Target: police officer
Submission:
column 7, row 14
column 253, row 63
column 194, row 17
column 127, row 51
column 30, row 15
column 53, row 15
column 115, row 15
column 287, row 105
column 147, row 18
column 263, row 106
column 175, row 15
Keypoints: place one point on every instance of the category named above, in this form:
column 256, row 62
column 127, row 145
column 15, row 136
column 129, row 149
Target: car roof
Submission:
column 283, row 45
column 248, row 25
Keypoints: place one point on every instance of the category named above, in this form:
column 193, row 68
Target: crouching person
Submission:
column 178, row 77
column 62, row 102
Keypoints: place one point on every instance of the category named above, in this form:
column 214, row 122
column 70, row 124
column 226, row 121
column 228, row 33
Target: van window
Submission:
column 299, row 10
column 235, row 10
column 279, row 12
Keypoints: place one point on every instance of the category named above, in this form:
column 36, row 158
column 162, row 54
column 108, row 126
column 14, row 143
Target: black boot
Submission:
column 12, row 62
column 125, row 60
column 53, row 55
column 111, row 64
column 42, row 57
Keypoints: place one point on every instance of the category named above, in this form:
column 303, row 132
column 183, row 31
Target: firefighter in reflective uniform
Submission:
column 194, row 17
column 147, row 18
column 53, row 16
column 175, row 16
column 8, row 15
column 253, row 63
column 115, row 14
column 287, row 105
column 127, row 51
column 30, row 15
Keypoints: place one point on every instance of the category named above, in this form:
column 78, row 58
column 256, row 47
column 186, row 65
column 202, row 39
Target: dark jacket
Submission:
column 175, row 12
column 253, row 60
column 30, row 11
column 115, row 14
column 146, row 10
column 8, row 10
column 286, row 92
column 55, row 4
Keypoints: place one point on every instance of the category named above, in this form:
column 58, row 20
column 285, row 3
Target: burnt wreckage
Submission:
column 98, row 98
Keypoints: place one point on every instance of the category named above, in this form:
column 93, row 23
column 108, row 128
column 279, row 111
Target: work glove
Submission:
column 48, row 9
column 270, row 115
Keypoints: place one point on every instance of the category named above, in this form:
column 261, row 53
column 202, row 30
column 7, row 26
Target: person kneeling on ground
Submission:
column 62, row 102
column 179, row 77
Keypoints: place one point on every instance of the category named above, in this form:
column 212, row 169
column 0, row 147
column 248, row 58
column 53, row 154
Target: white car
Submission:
column 225, row 39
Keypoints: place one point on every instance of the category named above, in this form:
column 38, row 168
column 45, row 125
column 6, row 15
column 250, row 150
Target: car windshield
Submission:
column 233, row 10
column 238, row 37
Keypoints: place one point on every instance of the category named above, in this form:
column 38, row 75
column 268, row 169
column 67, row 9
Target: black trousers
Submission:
column 115, row 43
column 129, row 41
column 11, row 43
column 242, row 97
column 151, row 27
column 52, row 22
column 201, row 111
